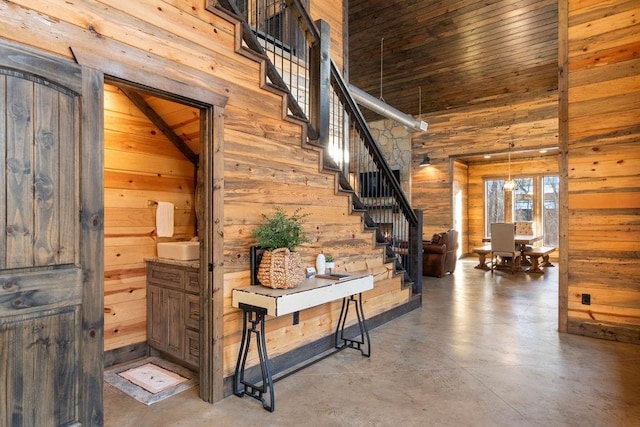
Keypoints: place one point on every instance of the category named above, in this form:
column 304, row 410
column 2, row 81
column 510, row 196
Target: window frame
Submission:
column 509, row 209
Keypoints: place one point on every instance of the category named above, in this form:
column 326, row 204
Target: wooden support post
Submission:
column 415, row 253
column 320, row 83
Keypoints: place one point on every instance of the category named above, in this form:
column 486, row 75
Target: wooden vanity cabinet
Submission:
column 173, row 310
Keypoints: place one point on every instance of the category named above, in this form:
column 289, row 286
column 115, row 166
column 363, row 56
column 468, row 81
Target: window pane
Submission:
column 523, row 203
column 550, row 207
column 494, row 203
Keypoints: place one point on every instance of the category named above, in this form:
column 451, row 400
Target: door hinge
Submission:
column 210, row 267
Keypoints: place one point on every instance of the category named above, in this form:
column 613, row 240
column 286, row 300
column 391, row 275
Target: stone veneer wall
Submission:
column 395, row 142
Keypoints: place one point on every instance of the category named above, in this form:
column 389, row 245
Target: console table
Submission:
column 257, row 302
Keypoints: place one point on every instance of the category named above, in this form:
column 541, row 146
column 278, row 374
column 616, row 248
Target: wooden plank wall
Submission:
column 141, row 165
column 603, row 147
column 331, row 11
column 529, row 121
column 602, row 156
column 291, row 180
column 264, row 160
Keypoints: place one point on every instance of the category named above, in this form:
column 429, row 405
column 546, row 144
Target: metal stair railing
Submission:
column 299, row 64
column 281, row 60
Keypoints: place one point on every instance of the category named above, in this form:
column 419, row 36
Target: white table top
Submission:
column 310, row 293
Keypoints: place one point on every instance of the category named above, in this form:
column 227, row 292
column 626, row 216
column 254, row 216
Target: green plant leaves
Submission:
column 280, row 230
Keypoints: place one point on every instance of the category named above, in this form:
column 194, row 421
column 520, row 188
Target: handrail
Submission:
column 372, row 146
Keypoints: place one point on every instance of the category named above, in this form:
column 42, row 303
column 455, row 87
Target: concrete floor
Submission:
column 482, row 351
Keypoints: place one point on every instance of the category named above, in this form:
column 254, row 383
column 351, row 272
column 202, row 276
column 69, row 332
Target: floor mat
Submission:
column 150, row 380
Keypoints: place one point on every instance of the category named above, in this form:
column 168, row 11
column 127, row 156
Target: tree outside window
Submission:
column 550, row 209
column 523, row 199
column 494, row 203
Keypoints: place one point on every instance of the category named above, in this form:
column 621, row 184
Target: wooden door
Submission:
column 51, row 230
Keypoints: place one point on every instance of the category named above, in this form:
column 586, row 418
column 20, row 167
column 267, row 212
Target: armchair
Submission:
column 439, row 254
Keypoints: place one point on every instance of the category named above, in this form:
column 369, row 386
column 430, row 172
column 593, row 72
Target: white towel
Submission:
column 164, row 219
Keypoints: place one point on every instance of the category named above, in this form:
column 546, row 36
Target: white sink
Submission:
column 182, row 251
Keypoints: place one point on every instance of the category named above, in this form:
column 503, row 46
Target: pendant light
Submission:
column 510, row 184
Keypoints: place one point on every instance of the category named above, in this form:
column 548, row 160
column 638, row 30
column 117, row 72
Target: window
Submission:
column 494, row 203
column 534, row 199
column 523, row 200
column 550, row 208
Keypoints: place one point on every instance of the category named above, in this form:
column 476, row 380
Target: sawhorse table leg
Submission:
column 364, row 343
column 253, row 324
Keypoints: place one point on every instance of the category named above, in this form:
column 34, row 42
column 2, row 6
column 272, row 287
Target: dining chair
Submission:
column 524, row 227
column 503, row 245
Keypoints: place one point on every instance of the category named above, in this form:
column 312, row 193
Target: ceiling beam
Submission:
column 159, row 122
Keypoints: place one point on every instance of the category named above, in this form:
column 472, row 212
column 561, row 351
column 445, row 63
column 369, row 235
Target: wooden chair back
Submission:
column 503, row 239
column 503, row 244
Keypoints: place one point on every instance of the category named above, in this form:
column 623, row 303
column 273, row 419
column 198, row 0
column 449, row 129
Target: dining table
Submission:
column 520, row 239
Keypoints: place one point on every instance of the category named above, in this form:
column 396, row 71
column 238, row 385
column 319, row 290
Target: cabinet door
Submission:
column 192, row 312
column 156, row 324
column 174, row 306
column 192, row 348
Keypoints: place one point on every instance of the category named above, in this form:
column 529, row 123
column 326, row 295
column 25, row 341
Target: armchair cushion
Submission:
column 437, row 238
column 452, row 251
column 439, row 254
column 434, row 248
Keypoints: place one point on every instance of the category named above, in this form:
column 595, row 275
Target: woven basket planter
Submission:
column 280, row 269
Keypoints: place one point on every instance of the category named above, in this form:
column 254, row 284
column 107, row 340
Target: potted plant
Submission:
column 279, row 235
column 329, row 263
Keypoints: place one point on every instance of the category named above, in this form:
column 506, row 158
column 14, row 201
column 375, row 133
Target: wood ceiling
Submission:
column 180, row 123
column 459, row 52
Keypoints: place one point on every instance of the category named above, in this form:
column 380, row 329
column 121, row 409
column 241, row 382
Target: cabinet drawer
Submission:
column 192, row 312
column 192, row 348
column 192, row 283
column 166, row 276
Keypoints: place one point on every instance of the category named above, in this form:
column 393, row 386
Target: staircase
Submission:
column 296, row 54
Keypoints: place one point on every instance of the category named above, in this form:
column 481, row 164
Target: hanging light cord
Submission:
column 510, row 185
column 510, row 161
column 381, row 66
